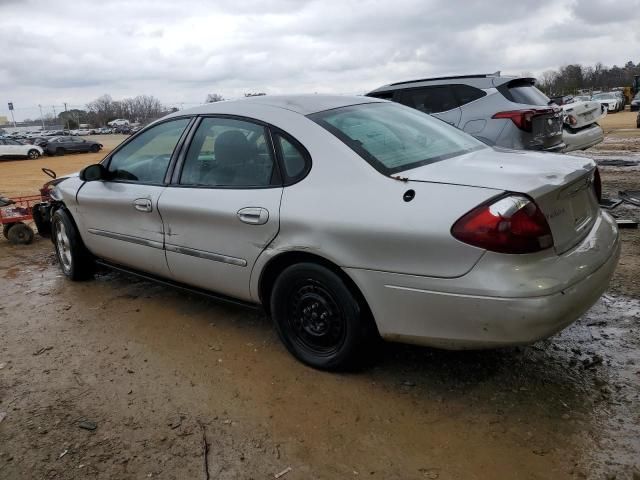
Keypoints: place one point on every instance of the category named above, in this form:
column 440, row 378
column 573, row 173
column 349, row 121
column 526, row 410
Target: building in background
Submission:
column 4, row 120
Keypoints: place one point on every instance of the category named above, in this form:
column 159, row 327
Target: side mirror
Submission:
column 93, row 173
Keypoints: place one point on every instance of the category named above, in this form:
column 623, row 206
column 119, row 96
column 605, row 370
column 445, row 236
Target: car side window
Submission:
column 429, row 99
column 295, row 158
column 226, row 152
column 467, row 94
column 146, row 157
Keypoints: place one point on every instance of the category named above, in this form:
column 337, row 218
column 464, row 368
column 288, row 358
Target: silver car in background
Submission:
column 499, row 110
column 346, row 218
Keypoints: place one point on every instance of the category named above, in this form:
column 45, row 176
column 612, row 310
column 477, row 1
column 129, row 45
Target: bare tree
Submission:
column 214, row 97
column 256, row 94
column 101, row 110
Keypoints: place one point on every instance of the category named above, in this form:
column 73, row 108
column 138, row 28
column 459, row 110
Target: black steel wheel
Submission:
column 317, row 317
column 95, row 148
column 20, row 234
column 5, row 230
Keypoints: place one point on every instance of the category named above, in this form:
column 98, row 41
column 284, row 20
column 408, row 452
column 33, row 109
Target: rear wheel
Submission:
column 317, row 317
column 75, row 260
column 95, row 148
column 33, row 154
column 20, row 234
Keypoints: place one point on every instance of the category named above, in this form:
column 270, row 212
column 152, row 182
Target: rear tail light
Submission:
column 523, row 118
column 509, row 224
column 597, row 185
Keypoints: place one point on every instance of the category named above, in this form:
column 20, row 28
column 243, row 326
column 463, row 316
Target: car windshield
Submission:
column 393, row 138
column 603, row 96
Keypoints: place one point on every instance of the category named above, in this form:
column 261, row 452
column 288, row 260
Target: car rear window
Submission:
column 523, row 91
column 393, row 138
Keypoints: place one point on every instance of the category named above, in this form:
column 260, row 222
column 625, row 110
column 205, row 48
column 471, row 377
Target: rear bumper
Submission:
column 583, row 138
column 504, row 300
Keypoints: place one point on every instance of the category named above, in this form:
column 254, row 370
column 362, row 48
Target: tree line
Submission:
column 569, row 79
column 142, row 109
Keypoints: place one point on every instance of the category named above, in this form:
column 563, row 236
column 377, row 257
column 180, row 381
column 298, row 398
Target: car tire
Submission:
column 5, row 230
column 20, row 234
column 33, row 154
column 318, row 318
column 76, row 262
column 59, row 152
column 95, row 148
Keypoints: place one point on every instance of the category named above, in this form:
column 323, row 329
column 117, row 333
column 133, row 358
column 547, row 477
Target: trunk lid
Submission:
column 561, row 185
column 585, row 113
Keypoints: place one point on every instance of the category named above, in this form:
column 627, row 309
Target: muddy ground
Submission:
column 119, row 378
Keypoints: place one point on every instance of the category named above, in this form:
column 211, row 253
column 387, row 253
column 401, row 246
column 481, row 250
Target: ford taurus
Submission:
column 346, row 218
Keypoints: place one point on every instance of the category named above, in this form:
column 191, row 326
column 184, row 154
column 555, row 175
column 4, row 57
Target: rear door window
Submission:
column 227, row 152
column 466, row 94
column 429, row 99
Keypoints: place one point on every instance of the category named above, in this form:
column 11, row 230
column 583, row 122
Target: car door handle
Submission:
column 253, row 215
column 142, row 204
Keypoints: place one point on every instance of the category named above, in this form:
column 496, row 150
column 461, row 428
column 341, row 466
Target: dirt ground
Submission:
column 120, row 378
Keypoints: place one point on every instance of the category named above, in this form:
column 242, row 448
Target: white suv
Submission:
column 13, row 149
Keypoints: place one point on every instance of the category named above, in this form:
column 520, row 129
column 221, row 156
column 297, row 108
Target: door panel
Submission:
column 210, row 242
column 117, row 230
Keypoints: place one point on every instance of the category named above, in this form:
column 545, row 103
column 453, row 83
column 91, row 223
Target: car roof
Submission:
column 482, row 80
column 302, row 104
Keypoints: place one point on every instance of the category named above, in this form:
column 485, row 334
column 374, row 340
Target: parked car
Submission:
column 360, row 217
column 83, row 131
column 10, row 148
column 70, row 144
column 622, row 101
column 104, row 131
column 581, row 98
column 638, row 120
column 610, row 101
column 581, row 129
column 635, row 103
column 499, row 110
column 122, row 129
column 562, row 99
column 118, row 122
column 39, row 141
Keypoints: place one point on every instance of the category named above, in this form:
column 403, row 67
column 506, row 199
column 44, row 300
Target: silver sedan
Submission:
column 346, row 219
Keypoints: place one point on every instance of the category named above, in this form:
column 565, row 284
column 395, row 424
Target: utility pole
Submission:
column 66, row 117
column 54, row 111
column 41, row 117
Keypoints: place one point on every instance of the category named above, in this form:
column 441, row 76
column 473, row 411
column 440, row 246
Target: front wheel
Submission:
column 33, row 154
column 95, row 148
column 75, row 260
column 317, row 317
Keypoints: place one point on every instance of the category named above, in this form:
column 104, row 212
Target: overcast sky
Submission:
column 55, row 51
